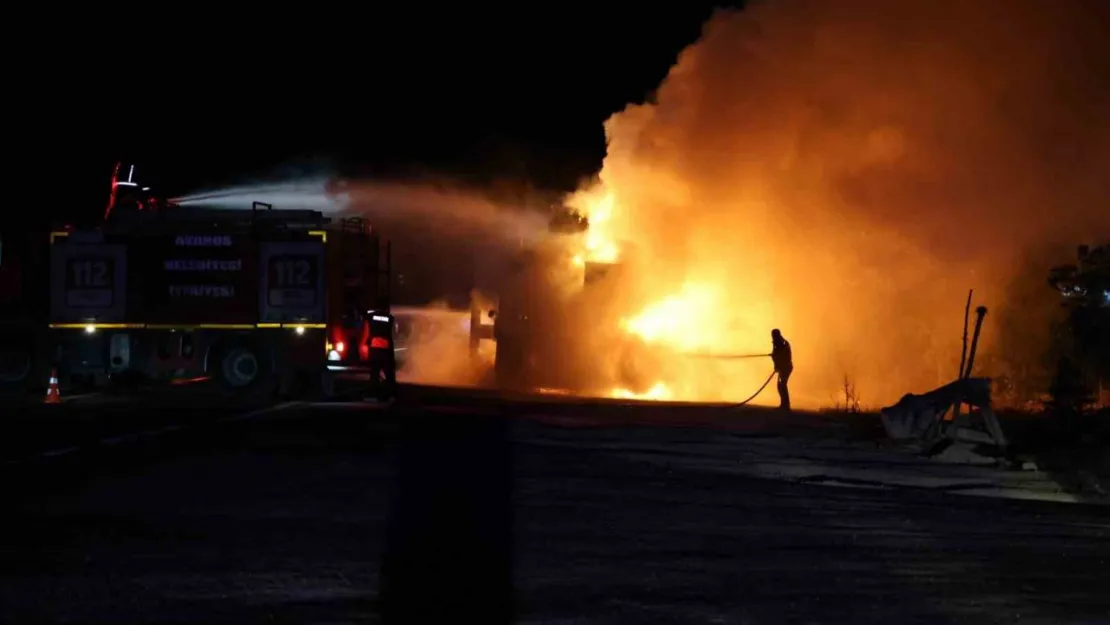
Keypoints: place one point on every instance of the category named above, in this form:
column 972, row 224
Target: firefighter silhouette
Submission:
column 381, row 357
column 783, row 358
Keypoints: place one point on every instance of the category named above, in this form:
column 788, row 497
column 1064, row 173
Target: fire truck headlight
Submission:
column 333, row 355
column 89, row 329
column 299, row 330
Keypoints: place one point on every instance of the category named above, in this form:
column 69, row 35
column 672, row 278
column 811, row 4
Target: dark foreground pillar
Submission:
column 449, row 547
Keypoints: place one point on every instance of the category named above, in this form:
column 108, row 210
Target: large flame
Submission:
column 846, row 172
column 656, row 393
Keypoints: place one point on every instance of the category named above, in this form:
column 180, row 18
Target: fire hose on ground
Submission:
column 736, row 357
column 745, row 402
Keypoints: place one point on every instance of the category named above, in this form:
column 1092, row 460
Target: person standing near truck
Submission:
column 381, row 355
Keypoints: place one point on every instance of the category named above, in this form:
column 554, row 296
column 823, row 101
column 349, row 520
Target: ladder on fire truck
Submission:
column 363, row 257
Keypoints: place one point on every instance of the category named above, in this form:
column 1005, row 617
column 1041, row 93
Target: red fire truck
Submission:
column 252, row 299
column 22, row 307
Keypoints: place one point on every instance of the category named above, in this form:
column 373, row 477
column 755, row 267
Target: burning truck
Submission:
column 552, row 317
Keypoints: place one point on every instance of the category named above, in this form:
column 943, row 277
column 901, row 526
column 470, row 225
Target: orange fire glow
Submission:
column 659, row 392
column 803, row 166
column 695, row 318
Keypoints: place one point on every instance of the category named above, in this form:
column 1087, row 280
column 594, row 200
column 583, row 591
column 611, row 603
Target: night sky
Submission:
column 475, row 94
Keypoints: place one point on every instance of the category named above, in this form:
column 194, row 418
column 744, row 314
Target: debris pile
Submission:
column 936, row 420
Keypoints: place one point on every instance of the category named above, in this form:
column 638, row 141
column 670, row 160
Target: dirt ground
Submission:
column 1076, row 450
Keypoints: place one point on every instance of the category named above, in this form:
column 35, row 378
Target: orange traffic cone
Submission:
column 53, row 395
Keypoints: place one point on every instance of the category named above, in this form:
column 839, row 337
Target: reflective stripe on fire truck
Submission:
column 171, row 326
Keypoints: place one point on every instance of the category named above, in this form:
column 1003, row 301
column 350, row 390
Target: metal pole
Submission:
column 388, row 295
column 980, row 312
column 963, row 354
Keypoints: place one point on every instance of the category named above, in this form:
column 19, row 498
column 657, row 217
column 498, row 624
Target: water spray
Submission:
column 721, row 356
column 449, row 212
column 320, row 194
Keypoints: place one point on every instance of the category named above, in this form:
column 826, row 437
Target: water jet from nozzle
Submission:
column 321, row 194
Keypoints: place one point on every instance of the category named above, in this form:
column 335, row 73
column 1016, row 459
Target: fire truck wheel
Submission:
column 18, row 363
column 242, row 367
column 15, row 366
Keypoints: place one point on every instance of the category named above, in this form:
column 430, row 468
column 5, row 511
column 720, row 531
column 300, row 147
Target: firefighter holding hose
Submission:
column 783, row 359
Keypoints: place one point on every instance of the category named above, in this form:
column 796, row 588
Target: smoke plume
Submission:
column 434, row 347
column 846, row 171
column 444, row 212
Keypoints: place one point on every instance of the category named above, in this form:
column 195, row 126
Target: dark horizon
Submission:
column 520, row 101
